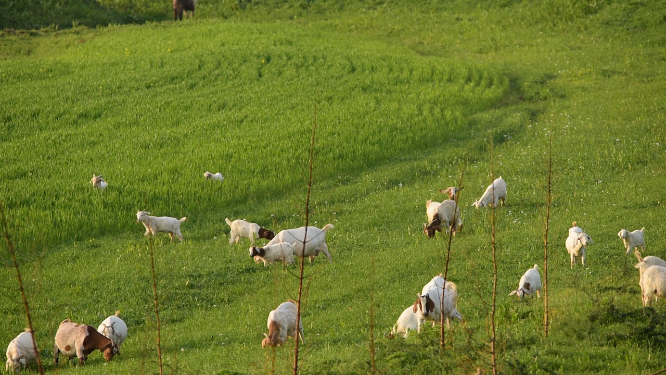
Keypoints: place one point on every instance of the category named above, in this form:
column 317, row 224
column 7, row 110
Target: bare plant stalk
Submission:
column 372, row 314
column 157, row 310
column 307, row 219
column 545, row 237
column 493, row 334
column 12, row 252
column 448, row 256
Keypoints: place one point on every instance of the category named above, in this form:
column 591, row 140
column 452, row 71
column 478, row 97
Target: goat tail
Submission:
column 327, row 227
column 228, row 221
column 117, row 313
column 182, row 219
column 536, row 266
column 452, row 286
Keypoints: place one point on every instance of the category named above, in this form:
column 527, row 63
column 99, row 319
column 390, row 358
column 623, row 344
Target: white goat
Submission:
column 649, row 261
column 488, row 198
column 282, row 324
column 652, row 282
column 114, row 328
column 20, row 352
column 431, row 304
column 408, row 320
column 633, row 239
column 576, row 243
column 315, row 241
column 452, row 191
column 442, row 215
column 530, row 283
column 156, row 224
column 217, row 176
column 243, row 229
column 98, row 182
column 270, row 254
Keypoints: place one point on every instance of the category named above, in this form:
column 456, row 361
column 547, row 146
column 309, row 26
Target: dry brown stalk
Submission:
column 545, row 239
column 12, row 252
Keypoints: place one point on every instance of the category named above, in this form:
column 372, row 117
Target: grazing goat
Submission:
column 243, row 229
column 442, row 215
column 576, row 243
column 530, row 283
column 649, row 261
column 114, row 328
column 452, row 191
column 432, row 302
column 315, row 241
column 98, row 182
column 79, row 340
column 408, row 320
column 20, row 352
column 156, row 224
column 633, row 239
column 493, row 194
column 282, row 324
column 270, row 254
column 217, row 176
column 180, row 6
column 652, row 282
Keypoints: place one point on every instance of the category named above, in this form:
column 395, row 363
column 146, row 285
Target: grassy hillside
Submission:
column 403, row 97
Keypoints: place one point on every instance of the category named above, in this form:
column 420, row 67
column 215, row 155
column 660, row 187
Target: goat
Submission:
column 576, row 243
column 432, row 303
column 530, row 283
column 452, row 191
column 21, row 352
column 408, row 320
column 632, row 240
column 114, row 328
column 442, row 215
column 156, row 224
column 282, row 324
column 243, row 229
column 270, row 254
column 652, row 282
column 98, row 182
column 315, row 241
column 73, row 339
column 217, row 176
column 493, row 194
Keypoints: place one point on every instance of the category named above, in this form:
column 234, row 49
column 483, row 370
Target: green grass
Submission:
column 403, row 96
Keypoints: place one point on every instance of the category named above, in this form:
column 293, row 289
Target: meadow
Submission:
column 405, row 98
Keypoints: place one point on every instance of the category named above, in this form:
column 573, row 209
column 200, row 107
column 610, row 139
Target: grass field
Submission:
column 404, row 98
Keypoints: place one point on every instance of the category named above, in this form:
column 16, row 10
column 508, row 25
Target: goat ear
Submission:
column 266, row 335
column 416, row 305
column 514, row 292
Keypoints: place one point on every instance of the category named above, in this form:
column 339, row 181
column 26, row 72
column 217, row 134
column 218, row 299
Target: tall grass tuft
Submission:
column 12, row 252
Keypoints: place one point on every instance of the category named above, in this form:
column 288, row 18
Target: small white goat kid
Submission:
column 243, row 229
column 633, row 239
column 20, row 352
column 315, row 241
column 98, row 182
column 156, row 224
column 270, row 254
column 652, row 282
column 488, row 198
column 408, row 320
column 114, row 328
column 282, row 324
column 530, row 283
column 576, row 243
column 210, row 176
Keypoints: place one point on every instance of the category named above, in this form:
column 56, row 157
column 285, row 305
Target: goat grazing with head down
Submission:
column 282, row 324
column 243, row 229
column 79, row 340
column 445, row 214
column 20, row 352
column 114, row 328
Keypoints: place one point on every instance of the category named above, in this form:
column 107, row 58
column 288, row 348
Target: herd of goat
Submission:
column 437, row 301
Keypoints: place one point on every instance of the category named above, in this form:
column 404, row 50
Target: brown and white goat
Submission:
column 282, row 324
column 73, row 339
column 442, row 215
column 98, row 182
column 451, row 191
column 180, row 6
